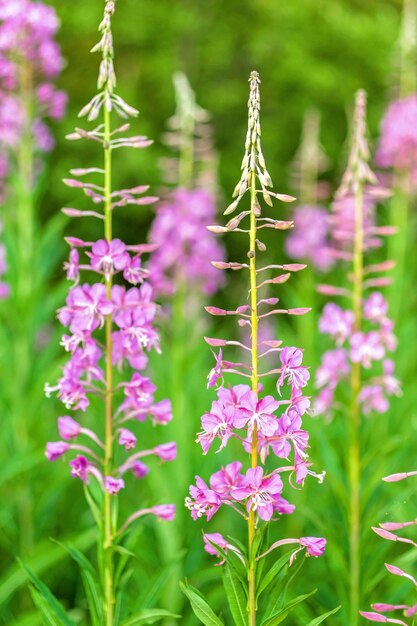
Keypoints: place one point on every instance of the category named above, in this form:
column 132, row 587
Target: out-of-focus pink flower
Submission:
column 309, row 239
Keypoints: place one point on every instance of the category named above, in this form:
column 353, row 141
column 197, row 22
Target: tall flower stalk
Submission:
column 354, row 232
column 30, row 63
column 181, row 275
column 111, row 330
column 396, row 150
column 244, row 413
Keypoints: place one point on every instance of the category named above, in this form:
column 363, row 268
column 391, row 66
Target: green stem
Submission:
column 355, row 419
column 252, row 608
column 23, row 296
column 397, row 244
column 107, row 507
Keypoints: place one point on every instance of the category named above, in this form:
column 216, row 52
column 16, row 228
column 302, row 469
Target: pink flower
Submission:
column 113, row 485
column 227, row 480
column 366, row 348
column 398, row 143
column 315, row 545
column 336, row 322
column 203, row 501
column 55, row 449
column 289, row 430
column 375, row 307
column 164, row 511
column 333, row 368
column 68, row 428
column 139, row 469
column 372, row 399
column 185, row 258
column 218, row 540
column 127, row 438
column 166, row 451
column 291, row 359
column 216, row 372
column 218, row 423
column 260, row 492
column 109, row 256
column 72, row 266
column 308, row 240
column 79, row 468
column 259, row 414
column 87, row 306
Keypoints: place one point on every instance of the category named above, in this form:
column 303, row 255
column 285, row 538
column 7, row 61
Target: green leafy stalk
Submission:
column 108, row 441
column 254, row 383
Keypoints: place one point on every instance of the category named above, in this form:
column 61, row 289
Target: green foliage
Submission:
column 200, row 606
column 53, row 612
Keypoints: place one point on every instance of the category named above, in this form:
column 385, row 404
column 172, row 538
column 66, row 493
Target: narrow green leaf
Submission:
column 45, row 558
column 48, row 616
column 89, row 577
column 279, row 617
column 236, row 596
column 46, row 602
column 149, row 616
column 321, row 618
column 281, row 584
column 200, row 607
column 272, row 573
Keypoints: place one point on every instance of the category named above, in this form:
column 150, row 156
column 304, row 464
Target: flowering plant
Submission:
column 265, row 425
column 358, row 367
column 110, row 332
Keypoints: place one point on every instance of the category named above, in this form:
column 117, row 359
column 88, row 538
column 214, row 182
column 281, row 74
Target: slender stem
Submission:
column 24, row 294
column 255, row 380
column 355, row 419
column 398, row 243
column 108, row 442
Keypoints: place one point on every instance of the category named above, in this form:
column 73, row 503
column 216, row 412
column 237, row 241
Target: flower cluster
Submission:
column 264, row 424
column 109, row 322
column 309, row 239
column 363, row 335
column 368, row 347
column 387, row 531
column 30, row 60
column 398, row 142
column 184, row 260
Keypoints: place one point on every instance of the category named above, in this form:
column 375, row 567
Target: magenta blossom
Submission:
column 113, row 485
column 109, row 256
column 366, row 348
column 291, row 359
column 206, row 501
column 166, row 451
column 336, row 322
column 260, row 492
column 127, row 439
column 55, row 449
column 80, row 467
column 68, row 427
column 165, row 512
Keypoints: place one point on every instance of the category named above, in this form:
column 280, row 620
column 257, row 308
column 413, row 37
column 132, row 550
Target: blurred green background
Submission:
column 310, row 54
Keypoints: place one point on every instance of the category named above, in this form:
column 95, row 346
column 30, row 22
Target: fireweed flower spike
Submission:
column 110, row 331
column 363, row 334
column 265, row 425
column 389, row 531
column 396, row 151
column 180, row 268
column 30, row 63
